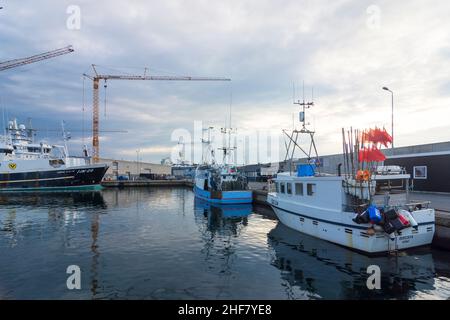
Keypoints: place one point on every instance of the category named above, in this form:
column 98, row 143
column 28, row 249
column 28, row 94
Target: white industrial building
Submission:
column 134, row 169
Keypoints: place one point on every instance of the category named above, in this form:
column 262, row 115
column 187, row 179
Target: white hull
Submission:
column 338, row 227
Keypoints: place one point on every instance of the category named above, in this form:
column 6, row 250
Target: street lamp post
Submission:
column 392, row 114
column 137, row 164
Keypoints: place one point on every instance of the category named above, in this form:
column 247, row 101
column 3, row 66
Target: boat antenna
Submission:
column 303, row 89
column 30, row 129
column 65, row 138
column 4, row 121
column 293, row 137
column 83, row 108
column 231, row 103
column 293, row 92
column 207, row 150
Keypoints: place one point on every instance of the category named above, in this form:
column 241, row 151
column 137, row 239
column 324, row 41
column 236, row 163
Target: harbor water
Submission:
column 162, row 243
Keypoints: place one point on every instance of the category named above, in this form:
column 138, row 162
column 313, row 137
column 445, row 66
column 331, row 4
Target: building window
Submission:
column 289, row 188
column 420, row 172
column 282, row 188
column 311, row 189
column 299, row 189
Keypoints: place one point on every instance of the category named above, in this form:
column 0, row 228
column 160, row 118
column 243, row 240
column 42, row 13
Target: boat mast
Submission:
column 65, row 138
column 227, row 132
column 182, row 152
column 293, row 137
column 206, row 146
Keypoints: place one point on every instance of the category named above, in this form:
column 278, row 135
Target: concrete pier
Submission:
column 442, row 233
column 146, row 183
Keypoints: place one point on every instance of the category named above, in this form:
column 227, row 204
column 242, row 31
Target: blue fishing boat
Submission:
column 221, row 184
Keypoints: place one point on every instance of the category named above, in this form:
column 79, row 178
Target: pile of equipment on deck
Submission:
column 391, row 221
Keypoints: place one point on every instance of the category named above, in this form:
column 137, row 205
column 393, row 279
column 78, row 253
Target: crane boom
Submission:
column 95, row 108
column 38, row 57
column 181, row 78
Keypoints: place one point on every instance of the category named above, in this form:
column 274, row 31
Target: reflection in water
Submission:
column 95, row 253
column 53, row 199
column 162, row 243
column 225, row 221
column 329, row 271
column 63, row 208
column 220, row 226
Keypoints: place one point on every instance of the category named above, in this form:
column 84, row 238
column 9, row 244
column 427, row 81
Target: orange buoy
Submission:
column 366, row 175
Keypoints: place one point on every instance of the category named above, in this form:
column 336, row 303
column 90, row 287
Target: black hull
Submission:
column 71, row 178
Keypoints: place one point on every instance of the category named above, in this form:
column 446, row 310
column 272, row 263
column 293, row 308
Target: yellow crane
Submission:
column 38, row 57
column 95, row 108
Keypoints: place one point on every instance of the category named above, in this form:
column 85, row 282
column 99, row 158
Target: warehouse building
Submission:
column 183, row 171
column 131, row 170
column 428, row 165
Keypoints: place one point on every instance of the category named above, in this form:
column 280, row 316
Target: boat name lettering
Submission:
column 85, row 171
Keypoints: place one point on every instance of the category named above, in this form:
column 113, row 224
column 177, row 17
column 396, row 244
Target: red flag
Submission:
column 376, row 136
column 372, row 154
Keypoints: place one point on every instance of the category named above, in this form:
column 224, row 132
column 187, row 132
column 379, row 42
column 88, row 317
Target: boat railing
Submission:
column 417, row 204
column 411, row 206
column 270, row 185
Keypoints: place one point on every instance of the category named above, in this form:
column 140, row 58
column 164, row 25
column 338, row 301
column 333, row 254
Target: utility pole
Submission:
column 138, row 164
column 392, row 116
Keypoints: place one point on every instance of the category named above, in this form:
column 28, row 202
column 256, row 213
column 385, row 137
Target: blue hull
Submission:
column 224, row 197
column 226, row 210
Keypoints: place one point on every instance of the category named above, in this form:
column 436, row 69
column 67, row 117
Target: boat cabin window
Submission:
column 5, row 151
column 56, row 162
column 282, row 187
column 299, row 189
column 289, row 188
column 311, row 189
column 392, row 186
column 34, row 149
column 277, row 187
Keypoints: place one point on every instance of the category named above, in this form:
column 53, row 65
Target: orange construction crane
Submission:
column 38, row 57
column 95, row 108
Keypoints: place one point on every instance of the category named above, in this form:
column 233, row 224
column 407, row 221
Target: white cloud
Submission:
column 263, row 45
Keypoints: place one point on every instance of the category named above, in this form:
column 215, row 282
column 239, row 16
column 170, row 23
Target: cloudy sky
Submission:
column 346, row 50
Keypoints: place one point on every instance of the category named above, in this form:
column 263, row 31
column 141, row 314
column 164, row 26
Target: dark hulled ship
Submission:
column 28, row 166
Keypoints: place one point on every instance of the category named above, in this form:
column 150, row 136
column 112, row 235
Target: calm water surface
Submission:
column 162, row 243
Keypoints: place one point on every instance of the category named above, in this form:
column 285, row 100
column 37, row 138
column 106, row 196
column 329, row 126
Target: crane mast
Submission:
column 38, row 57
column 95, row 108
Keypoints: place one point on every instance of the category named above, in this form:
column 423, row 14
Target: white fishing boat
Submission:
column 366, row 208
column 26, row 165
